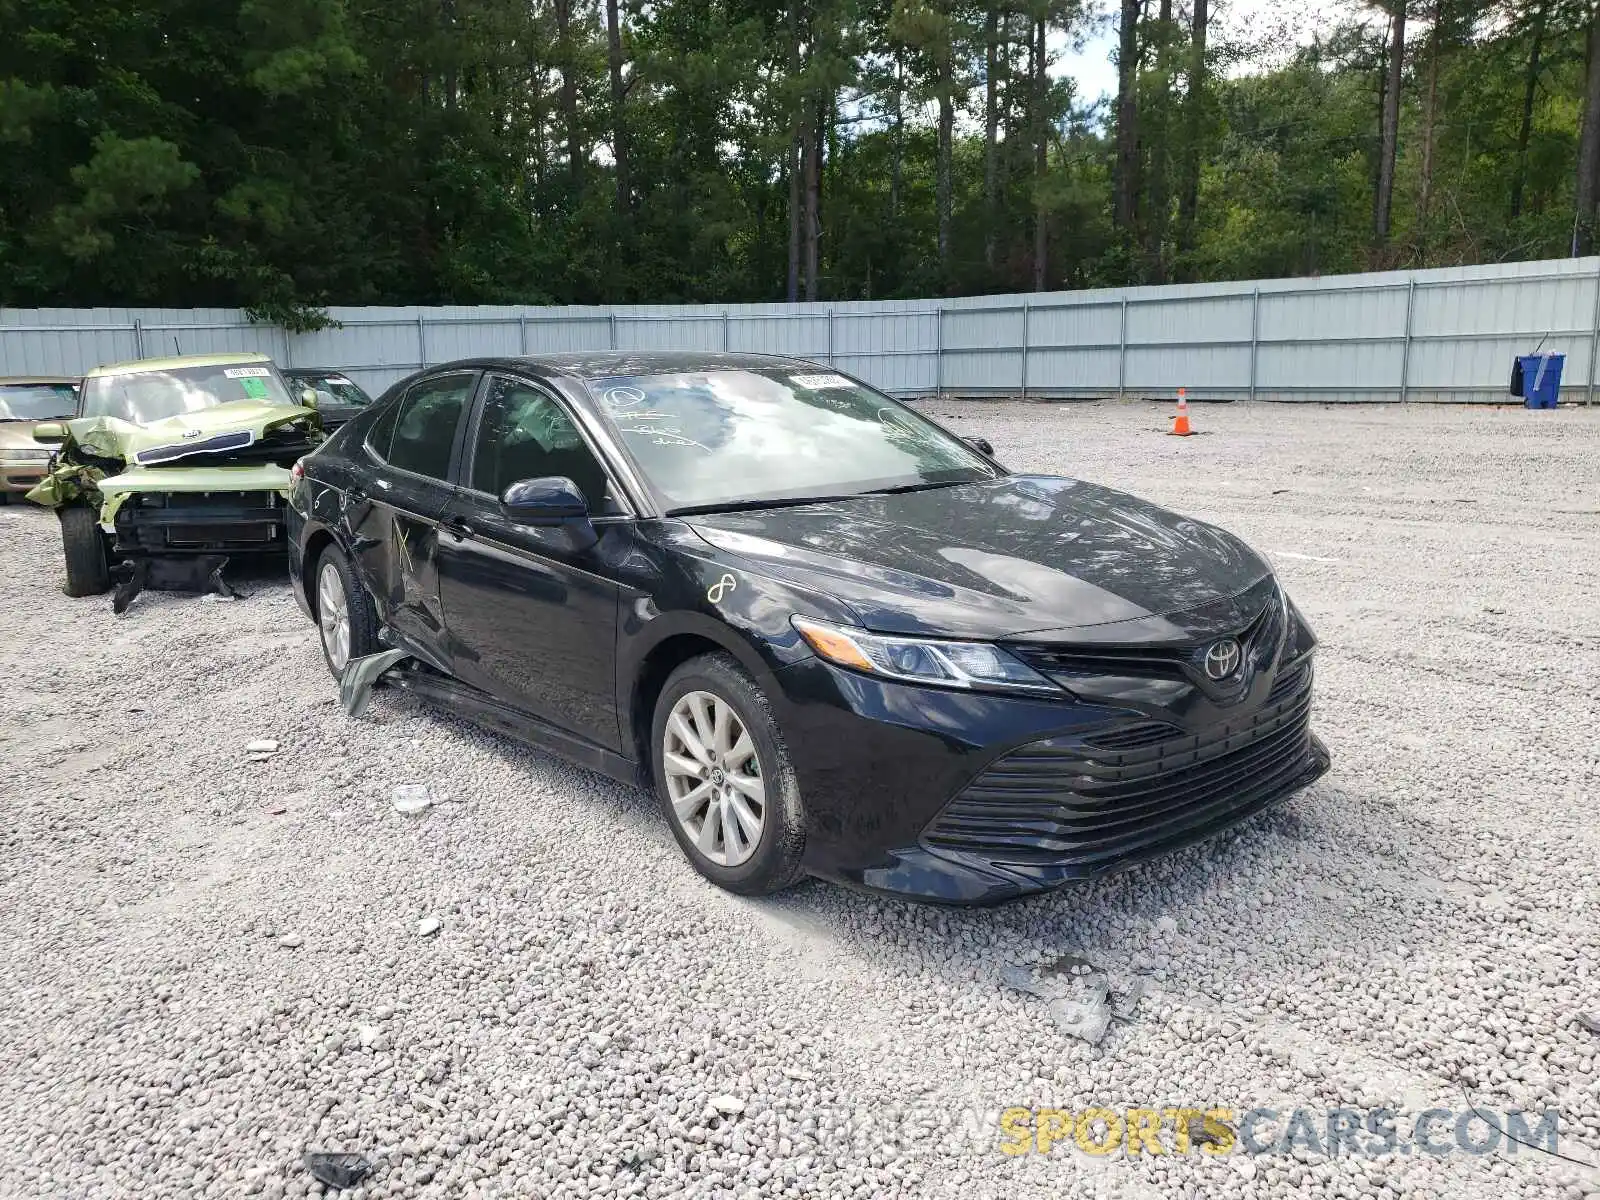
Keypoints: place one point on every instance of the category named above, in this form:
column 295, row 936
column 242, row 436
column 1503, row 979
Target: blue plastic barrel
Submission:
column 1541, row 379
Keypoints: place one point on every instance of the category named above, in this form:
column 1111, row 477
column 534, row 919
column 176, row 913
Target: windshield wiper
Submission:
column 731, row 506
column 925, row 486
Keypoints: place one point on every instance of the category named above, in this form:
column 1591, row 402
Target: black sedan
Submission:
column 336, row 397
column 832, row 637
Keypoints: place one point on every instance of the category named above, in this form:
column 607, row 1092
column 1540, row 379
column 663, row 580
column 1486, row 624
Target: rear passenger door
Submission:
column 395, row 509
column 532, row 621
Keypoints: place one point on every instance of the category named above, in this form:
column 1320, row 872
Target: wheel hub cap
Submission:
column 714, row 779
column 333, row 616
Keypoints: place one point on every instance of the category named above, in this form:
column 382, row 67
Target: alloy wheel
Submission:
column 333, row 616
column 714, row 778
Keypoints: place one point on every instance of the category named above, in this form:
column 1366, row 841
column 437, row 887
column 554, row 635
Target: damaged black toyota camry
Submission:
column 832, row 637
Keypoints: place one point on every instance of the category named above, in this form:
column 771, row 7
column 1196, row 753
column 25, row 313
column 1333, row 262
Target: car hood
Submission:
column 1029, row 556
column 112, row 437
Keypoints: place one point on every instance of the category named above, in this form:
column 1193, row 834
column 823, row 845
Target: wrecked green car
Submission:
column 172, row 467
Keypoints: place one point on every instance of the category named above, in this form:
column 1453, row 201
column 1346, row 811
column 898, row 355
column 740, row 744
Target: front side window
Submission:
column 425, row 425
column 525, row 434
column 706, row 439
column 146, row 396
column 334, row 390
column 37, row 401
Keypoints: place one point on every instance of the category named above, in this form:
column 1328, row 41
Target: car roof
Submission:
column 599, row 364
column 39, row 379
column 182, row 360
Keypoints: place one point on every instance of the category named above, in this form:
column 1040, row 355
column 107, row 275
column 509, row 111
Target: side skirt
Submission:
column 463, row 700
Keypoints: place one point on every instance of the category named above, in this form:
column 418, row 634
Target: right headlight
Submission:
column 969, row 665
column 1299, row 639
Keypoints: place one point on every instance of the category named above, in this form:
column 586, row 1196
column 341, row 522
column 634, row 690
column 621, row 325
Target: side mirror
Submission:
column 981, row 445
column 50, row 433
column 308, row 397
column 553, row 502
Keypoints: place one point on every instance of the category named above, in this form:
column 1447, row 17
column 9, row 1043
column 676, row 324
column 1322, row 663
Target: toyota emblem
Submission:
column 1223, row 658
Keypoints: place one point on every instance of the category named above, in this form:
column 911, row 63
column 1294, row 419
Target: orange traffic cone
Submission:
column 1180, row 423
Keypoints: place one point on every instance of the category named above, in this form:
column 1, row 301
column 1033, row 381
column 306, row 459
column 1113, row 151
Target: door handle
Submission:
column 459, row 530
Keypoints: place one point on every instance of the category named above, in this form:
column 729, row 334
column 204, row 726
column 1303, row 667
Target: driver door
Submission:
column 530, row 621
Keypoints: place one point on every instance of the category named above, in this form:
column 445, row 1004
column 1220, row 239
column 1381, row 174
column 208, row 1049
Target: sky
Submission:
column 1096, row 73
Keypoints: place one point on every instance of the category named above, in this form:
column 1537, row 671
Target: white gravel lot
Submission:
column 195, row 988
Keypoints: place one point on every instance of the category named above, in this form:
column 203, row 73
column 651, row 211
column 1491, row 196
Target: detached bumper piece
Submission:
column 192, row 573
column 182, row 541
column 200, row 523
column 1071, row 808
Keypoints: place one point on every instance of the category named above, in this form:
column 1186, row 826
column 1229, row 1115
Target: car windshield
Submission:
column 37, row 401
column 146, row 396
column 709, row 439
column 332, row 389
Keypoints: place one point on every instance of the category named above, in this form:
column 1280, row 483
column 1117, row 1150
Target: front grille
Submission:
column 280, row 447
column 211, row 445
column 1132, row 737
column 1290, row 683
column 199, row 535
column 1083, row 802
column 193, row 521
column 1260, row 639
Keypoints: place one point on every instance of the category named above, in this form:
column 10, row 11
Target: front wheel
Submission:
column 346, row 617
column 84, row 546
column 723, row 776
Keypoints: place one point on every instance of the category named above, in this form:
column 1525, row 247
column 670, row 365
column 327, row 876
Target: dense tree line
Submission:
column 281, row 154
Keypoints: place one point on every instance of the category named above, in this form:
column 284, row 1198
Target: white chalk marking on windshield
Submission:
column 624, row 397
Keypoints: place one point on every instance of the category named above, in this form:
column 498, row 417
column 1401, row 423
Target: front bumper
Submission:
column 200, row 524
column 967, row 798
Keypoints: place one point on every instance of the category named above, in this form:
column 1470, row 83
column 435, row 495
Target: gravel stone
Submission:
column 597, row 1005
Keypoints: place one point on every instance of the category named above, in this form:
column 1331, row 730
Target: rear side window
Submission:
column 425, row 425
column 382, row 432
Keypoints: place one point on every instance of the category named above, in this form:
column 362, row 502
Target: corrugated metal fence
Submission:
column 1425, row 335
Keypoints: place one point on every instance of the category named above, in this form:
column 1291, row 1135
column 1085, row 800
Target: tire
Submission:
column 756, row 865
column 84, row 546
column 360, row 614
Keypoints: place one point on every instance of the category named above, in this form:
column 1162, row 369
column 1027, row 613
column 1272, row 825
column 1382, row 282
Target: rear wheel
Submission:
column 723, row 776
column 346, row 617
column 84, row 546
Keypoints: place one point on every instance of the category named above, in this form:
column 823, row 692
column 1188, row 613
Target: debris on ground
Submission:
column 291, row 941
column 336, row 1170
column 1125, row 1002
column 261, row 749
column 1080, row 997
column 429, row 926
column 409, row 799
column 1589, row 1020
column 727, row 1106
